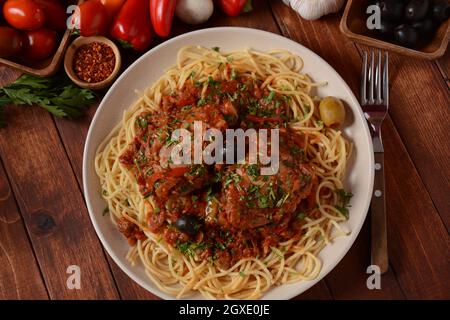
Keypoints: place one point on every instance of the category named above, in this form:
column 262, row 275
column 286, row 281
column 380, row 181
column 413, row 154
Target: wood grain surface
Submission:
column 45, row 227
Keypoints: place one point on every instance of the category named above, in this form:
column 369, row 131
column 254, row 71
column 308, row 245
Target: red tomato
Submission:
column 235, row 7
column 161, row 12
column 24, row 14
column 39, row 44
column 55, row 14
column 112, row 7
column 91, row 19
column 11, row 42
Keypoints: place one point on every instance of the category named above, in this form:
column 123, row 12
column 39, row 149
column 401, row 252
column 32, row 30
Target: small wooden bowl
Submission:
column 353, row 25
column 68, row 62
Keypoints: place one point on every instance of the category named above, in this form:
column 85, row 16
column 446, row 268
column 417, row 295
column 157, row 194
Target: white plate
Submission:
column 152, row 65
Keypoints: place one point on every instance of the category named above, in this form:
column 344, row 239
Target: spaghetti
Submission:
column 224, row 230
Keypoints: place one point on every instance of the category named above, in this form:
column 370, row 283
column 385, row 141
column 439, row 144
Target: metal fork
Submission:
column 375, row 105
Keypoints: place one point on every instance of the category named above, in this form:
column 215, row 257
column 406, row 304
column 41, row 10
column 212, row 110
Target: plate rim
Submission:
column 125, row 268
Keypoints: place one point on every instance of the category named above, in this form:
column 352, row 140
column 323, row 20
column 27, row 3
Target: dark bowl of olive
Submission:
column 416, row 28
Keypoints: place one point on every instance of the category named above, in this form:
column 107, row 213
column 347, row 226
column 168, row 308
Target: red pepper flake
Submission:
column 94, row 62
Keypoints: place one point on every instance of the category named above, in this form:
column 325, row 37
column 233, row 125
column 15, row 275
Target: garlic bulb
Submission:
column 194, row 11
column 314, row 9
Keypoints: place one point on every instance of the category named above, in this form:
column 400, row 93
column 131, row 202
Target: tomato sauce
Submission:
column 222, row 212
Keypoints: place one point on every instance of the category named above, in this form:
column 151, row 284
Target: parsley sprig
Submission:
column 55, row 94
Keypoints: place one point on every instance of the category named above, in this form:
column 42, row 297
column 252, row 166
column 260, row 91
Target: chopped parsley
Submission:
column 234, row 74
column 301, row 216
column 232, row 177
column 270, row 97
column 253, row 171
column 189, row 248
column 201, row 102
column 141, row 122
column 344, row 198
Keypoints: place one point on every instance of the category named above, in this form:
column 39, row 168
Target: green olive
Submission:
column 332, row 112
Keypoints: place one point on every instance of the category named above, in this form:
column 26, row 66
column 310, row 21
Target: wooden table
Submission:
column 45, row 227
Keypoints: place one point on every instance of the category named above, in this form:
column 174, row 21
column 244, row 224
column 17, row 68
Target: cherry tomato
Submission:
column 11, row 42
column 24, row 14
column 112, row 7
column 39, row 44
column 55, row 14
column 91, row 19
column 235, row 7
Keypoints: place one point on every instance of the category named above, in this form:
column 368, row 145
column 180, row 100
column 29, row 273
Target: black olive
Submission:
column 417, row 10
column 441, row 10
column 387, row 28
column 406, row 36
column 392, row 10
column 425, row 28
column 188, row 224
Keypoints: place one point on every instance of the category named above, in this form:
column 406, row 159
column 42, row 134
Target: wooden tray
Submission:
column 353, row 25
column 45, row 67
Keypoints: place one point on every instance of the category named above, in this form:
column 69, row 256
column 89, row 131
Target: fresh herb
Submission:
column 253, row 171
column 141, row 122
column 136, row 163
column 234, row 74
column 201, row 102
column 270, row 97
column 232, row 177
column 343, row 210
column 187, row 107
column 298, row 151
column 272, row 193
column 212, row 82
column 301, row 216
column 172, row 141
column 242, row 87
column 189, row 248
column 229, row 118
column 263, row 201
column 197, row 170
column 282, row 200
column 344, row 198
column 55, row 94
column 217, row 49
column 220, row 246
column 242, row 274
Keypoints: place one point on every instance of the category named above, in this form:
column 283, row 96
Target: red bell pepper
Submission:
column 161, row 13
column 235, row 7
column 132, row 26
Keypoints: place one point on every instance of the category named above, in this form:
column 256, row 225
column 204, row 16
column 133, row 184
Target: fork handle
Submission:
column 379, row 250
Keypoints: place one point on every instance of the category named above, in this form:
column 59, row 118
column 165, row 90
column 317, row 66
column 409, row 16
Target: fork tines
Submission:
column 375, row 79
